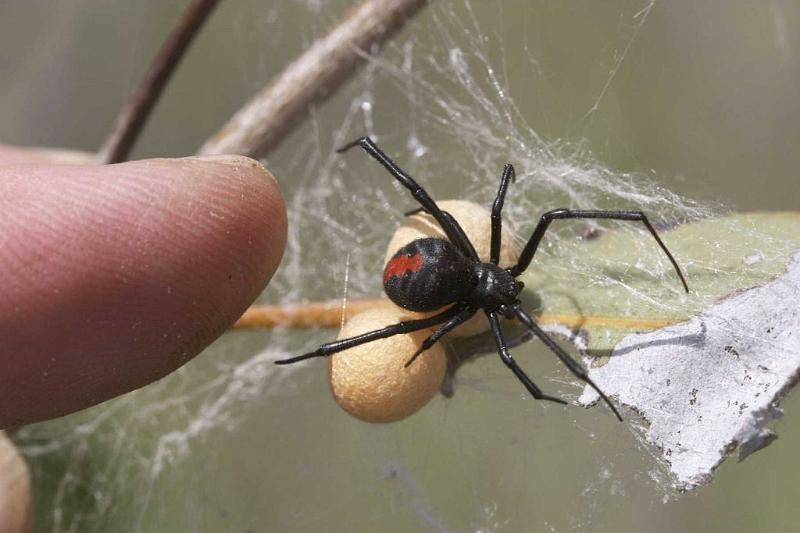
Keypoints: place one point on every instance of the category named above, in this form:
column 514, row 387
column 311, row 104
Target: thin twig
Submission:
column 267, row 119
column 132, row 119
column 328, row 314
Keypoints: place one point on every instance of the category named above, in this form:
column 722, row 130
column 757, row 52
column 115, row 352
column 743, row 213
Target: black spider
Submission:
column 431, row 273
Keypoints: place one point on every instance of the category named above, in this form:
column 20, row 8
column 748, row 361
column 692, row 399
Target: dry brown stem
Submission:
column 268, row 118
column 133, row 117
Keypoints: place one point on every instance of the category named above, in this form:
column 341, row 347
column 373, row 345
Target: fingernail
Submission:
column 238, row 161
column 227, row 159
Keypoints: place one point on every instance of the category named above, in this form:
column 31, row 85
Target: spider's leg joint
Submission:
column 358, row 142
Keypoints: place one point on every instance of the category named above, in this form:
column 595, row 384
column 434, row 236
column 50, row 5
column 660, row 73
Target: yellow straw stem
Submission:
column 331, row 313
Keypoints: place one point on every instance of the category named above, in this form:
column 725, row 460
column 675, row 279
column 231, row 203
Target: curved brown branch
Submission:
column 132, row 119
column 267, row 119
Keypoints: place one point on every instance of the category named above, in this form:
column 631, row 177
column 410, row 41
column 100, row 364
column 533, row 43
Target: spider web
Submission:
column 233, row 443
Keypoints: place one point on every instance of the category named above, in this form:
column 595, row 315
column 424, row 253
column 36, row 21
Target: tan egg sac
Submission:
column 15, row 489
column 370, row 381
column 477, row 224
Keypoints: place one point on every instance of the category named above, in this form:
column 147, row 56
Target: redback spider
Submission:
column 430, row 273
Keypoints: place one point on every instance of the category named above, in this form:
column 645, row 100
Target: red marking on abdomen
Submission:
column 398, row 266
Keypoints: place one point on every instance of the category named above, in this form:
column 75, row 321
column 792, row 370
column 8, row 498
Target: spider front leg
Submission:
column 530, row 249
column 450, row 226
column 502, row 349
column 407, row 326
column 575, row 367
column 497, row 208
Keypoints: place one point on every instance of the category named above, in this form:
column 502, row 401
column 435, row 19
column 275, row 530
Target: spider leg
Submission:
column 414, row 211
column 502, row 349
column 497, row 222
column 575, row 367
column 450, row 226
column 463, row 243
column 406, row 326
column 450, row 218
column 530, row 249
column 445, row 328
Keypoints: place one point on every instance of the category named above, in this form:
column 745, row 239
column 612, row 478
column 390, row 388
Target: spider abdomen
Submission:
column 427, row 274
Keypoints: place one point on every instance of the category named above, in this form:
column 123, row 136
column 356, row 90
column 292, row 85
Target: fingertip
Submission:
column 114, row 276
column 245, row 187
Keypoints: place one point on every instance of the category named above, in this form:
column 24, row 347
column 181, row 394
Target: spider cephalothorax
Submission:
column 428, row 274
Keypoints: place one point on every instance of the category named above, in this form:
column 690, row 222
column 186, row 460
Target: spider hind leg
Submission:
column 450, row 225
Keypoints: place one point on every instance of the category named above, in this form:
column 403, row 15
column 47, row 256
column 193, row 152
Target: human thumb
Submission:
column 113, row 276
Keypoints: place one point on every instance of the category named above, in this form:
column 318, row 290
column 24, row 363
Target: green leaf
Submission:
column 621, row 282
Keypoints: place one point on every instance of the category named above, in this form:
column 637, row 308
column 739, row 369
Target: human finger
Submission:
column 113, row 276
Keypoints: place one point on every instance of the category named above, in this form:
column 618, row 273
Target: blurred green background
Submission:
column 700, row 96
